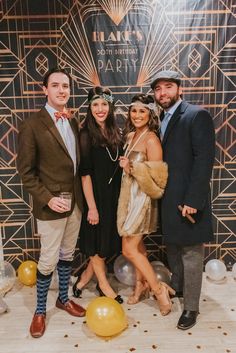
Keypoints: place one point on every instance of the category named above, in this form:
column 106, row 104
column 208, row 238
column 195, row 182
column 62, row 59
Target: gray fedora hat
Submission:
column 166, row 75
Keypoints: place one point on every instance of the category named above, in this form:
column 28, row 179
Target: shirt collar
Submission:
column 51, row 111
column 174, row 107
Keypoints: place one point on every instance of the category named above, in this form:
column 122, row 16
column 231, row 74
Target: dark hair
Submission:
column 153, row 119
column 55, row 70
column 111, row 135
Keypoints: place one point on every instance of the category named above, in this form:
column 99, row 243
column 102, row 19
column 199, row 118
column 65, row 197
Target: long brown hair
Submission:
column 112, row 136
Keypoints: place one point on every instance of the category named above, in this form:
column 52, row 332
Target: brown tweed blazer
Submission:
column 45, row 166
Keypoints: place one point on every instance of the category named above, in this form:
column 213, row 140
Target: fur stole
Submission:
column 151, row 177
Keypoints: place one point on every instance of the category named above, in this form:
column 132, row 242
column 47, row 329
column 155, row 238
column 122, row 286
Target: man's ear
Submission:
column 180, row 90
column 45, row 90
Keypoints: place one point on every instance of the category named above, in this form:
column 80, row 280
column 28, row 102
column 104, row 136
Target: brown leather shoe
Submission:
column 71, row 307
column 37, row 326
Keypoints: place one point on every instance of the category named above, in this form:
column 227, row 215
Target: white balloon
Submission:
column 3, row 306
column 234, row 271
column 162, row 273
column 124, row 271
column 157, row 263
column 215, row 270
column 7, row 278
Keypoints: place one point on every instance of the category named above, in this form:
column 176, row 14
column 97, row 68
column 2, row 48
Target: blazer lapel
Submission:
column 162, row 115
column 47, row 120
column 174, row 119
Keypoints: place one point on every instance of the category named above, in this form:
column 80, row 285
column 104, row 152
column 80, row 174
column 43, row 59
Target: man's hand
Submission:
column 186, row 214
column 188, row 210
column 58, row 205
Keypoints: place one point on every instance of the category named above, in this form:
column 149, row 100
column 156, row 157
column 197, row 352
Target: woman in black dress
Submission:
column 100, row 145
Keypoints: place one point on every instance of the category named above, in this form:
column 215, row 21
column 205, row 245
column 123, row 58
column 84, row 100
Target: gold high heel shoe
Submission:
column 163, row 295
column 141, row 291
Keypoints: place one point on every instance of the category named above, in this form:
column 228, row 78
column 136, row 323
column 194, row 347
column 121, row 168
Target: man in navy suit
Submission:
column 188, row 142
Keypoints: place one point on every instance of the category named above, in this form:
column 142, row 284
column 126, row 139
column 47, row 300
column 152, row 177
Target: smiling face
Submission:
column 139, row 115
column 167, row 93
column 57, row 90
column 100, row 109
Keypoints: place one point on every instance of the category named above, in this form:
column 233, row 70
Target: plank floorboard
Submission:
column 148, row 331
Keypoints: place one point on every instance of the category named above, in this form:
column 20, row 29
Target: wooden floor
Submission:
column 148, row 331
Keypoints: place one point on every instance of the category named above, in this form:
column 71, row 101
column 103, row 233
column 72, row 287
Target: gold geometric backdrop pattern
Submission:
column 121, row 44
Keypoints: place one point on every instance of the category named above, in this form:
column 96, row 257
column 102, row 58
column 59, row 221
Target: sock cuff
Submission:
column 42, row 276
column 64, row 263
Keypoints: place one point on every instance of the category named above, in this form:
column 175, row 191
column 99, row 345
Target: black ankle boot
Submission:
column 118, row 298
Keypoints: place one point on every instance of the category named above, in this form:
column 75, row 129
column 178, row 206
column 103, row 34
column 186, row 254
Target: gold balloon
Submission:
column 106, row 317
column 27, row 272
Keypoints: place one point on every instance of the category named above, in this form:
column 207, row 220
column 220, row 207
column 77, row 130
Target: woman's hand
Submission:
column 93, row 216
column 125, row 164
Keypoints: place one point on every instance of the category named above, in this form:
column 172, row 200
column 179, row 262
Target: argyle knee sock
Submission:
column 43, row 283
column 64, row 271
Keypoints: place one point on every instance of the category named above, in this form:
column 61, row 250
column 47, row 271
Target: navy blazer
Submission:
column 189, row 150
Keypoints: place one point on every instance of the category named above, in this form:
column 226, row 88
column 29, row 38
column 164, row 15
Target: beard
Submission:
column 168, row 102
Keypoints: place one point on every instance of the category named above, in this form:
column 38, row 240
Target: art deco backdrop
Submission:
column 121, row 44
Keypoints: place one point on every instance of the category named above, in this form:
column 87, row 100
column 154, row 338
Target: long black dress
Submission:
column 102, row 239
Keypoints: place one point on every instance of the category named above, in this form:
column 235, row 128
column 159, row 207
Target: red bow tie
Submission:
column 62, row 115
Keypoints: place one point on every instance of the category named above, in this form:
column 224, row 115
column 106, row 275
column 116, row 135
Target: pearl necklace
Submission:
column 128, row 151
column 109, row 154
